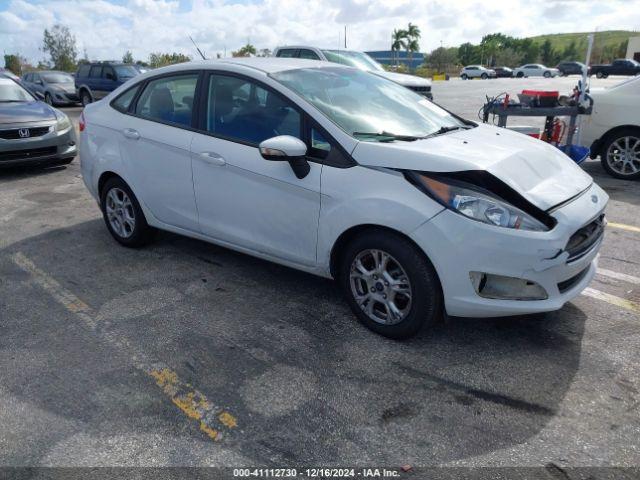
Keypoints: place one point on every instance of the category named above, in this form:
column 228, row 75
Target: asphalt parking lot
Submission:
column 184, row 353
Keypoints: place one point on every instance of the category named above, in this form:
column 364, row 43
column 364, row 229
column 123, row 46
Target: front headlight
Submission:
column 63, row 122
column 478, row 204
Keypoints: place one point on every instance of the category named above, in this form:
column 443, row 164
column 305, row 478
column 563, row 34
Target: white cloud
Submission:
column 108, row 29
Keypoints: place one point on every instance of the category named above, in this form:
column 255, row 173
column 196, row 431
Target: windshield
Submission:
column 57, row 78
column 125, row 71
column 10, row 91
column 366, row 106
column 353, row 59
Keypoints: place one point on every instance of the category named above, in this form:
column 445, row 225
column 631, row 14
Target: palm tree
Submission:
column 412, row 45
column 398, row 42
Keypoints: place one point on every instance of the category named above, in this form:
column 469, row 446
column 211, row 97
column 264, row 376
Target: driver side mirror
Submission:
column 287, row 148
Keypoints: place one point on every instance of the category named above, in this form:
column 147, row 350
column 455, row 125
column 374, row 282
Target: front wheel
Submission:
column 620, row 154
column 122, row 214
column 547, row 74
column 464, row 76
column 85, row 98
column 48, row 99
column 390, row 284
column 484, row 76
column 520, row 75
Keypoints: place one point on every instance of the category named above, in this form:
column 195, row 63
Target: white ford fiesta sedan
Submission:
column 344, row 174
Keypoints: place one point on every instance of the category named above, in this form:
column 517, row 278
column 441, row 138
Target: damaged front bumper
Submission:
column 488, row 271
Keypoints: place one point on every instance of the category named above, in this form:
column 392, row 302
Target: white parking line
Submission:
column 622, row 226
column 612, row 299
column 212, row 419
column 619, row 276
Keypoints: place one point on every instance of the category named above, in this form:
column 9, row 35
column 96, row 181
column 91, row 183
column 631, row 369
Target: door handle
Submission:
column 131, row 133
column 212, row 158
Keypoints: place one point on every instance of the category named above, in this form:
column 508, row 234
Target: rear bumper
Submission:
column 50, row 148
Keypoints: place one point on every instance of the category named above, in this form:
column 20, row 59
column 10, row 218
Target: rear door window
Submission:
column 308, row 54
column 169, row 99
column 83, row 71
column 96, row 71
column 286, row 53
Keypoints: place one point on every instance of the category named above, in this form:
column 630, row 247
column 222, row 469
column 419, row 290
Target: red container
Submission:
column 544, row 98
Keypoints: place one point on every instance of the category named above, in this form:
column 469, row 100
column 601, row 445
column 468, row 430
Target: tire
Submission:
column 599, row 75
column 546, row 74
column 421, row 307
column 135, row 231
column 520, row 75
column 85, row 98
column 628, row 165
column 484, row 76
column 464, row 76
column 48, row 100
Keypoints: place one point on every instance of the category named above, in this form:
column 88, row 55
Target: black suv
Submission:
column 570, row 68
column 98, row 79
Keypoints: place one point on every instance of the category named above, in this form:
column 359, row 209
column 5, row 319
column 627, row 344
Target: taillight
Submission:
column 81, row 123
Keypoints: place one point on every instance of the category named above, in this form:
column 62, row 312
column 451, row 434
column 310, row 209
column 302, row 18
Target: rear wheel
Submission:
column 85, row 98
column 122, row 214
column 620, row 154
column 599, row 75
column 390, row 284
column 464, row 76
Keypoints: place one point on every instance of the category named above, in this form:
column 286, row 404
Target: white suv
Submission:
column 359, row 60
column 344, row 174
column 477, row 71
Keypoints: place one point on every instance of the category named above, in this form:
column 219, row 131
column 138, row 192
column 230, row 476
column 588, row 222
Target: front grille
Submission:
column 421, row 89
column 14, row 133
column 571, row 282
column 581, row 242
column 27, row 153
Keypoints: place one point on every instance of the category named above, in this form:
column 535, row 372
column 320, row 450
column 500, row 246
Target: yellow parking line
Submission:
column 619, row 276
column 612, row 299
column 212, row 420
column 622, row 226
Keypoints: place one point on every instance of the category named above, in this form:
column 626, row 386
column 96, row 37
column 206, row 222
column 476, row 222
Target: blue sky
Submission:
column 106, row 29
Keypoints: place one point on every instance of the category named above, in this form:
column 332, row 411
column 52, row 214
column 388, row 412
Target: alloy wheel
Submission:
column 120, row 212
column 623, row 155
column 380, row 286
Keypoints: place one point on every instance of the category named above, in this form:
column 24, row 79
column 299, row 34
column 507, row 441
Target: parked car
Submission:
column 612, row 131
column 95, row 80
column 56, row 88
column 477, row 71
column 344, row 174
column 32, row 132
column 570, row 68
column 535, row 70
column 503, row 72
column 359, row 60
column 621, row 66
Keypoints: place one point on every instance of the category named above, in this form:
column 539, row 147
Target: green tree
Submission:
column 162, row 59
column 14, row 63
column 245, row 51
column 412, row 42
column 60, row 44
column 570, row 52
column 127, row 57
column 468, row 54
column 508, row 57
column 398, row 42
column 546, row 52
column 441, row 58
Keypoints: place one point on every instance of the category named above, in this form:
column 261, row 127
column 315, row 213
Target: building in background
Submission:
column 633, row 49
column 388, row 57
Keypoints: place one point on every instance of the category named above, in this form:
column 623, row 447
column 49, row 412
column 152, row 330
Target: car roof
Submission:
column 263, row 64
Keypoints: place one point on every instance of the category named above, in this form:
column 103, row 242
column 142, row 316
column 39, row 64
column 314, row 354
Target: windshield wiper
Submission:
column 387, row 136
column 13, row 101
column 443, row 130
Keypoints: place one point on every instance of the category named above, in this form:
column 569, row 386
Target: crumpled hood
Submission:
column 539, row 172
column 25, row 112
column 403, row 79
